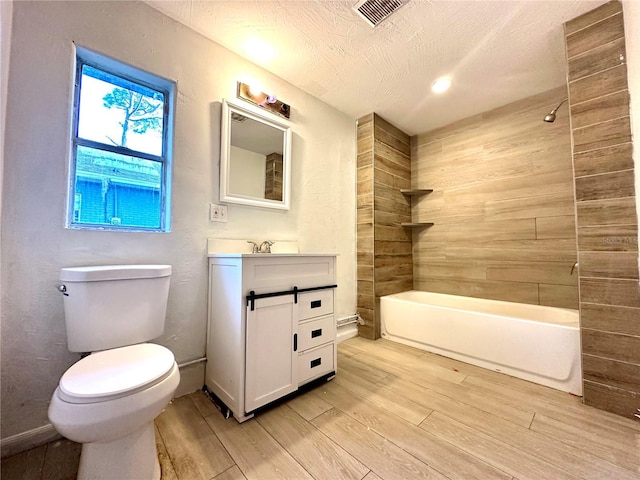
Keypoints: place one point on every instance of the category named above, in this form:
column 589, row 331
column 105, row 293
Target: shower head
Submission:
column 551, row 116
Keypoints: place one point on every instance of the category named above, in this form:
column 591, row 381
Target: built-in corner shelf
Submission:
column 416, row 224
column 414, row 192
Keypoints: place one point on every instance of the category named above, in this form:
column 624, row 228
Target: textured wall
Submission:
column 384, row 246
column 606, row 209
column 35, row 244
column 502, row 206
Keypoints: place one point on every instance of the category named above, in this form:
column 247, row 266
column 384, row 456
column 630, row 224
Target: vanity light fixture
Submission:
column 264, row 100
column 441, row 85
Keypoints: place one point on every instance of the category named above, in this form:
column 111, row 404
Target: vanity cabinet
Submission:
column 271, row 327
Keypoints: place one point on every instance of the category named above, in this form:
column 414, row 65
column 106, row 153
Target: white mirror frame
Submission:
column 226, row 196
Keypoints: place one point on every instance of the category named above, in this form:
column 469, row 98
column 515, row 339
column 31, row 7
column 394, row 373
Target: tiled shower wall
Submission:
column 606, row 209
column 385, row 264
column 502, row 205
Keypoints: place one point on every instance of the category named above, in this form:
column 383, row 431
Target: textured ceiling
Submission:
column 495, row 51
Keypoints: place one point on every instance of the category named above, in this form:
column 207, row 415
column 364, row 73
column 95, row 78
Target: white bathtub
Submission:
column 537, row 343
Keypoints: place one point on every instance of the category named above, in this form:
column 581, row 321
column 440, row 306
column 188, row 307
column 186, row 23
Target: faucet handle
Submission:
column 255, row 248
column 265, row 247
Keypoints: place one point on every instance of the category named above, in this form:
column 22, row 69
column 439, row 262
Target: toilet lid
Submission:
column 115, row 373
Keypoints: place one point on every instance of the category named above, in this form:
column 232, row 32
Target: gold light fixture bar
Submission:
column 263, row 100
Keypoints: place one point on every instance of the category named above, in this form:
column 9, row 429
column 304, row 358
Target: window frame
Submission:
column 135, row 75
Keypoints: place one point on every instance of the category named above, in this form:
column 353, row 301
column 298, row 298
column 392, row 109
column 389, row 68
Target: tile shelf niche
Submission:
column 415, row 192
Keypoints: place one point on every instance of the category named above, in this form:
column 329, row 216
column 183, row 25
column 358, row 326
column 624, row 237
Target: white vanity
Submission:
column 271, row 326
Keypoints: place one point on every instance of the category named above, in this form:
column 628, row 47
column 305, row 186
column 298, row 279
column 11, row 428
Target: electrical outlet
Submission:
column 217, row 213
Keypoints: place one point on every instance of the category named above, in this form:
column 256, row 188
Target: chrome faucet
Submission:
column 255, row 248
column 265, row 247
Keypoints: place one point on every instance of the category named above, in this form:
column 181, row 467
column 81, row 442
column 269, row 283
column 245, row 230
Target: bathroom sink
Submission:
column 240, row 248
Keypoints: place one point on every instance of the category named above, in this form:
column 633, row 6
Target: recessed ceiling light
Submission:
column 259, row 50
column 441, row 85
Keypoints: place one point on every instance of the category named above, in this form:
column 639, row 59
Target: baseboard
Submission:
column 346, row 332
column 28, row 440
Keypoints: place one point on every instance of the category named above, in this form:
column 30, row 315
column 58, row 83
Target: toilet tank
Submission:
column 114, row 306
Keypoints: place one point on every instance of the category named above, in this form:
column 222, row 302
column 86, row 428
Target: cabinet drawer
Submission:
column 315, row 363
column 315, row 304
column 316, row 332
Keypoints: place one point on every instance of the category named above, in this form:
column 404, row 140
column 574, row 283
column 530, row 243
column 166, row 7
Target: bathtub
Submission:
column 536, row 343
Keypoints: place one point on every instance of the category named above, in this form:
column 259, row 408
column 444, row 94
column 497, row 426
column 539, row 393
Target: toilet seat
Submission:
column 115, row 373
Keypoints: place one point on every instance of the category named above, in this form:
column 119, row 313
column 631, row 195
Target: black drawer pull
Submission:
column 316, row 304
column 295, row 342
column 316, row 362
column 316, row 333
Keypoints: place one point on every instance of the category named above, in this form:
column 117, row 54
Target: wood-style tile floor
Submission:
column 392, row 412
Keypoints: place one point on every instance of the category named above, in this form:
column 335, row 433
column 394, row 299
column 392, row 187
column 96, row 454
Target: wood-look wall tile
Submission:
column 364, row 159
column 557, row 250
column 625, row 293
column 531, row 207
column 390, row 218
column 386, row 260
column 611, row 372
column 364, row 273
column 365, row 190
column 622, row 402
column 382, row 177
column 366, row 302
column 602, row 135
column 600, row 33
column 624, row 348
column 562, row 226
column 401, row 270
column 364, row 230
column 393, row 233
column 597, row 85
column 600, row 110
column 451, row 268
column 364, row 258
column 610, row 318
column 596, row 60
column 365, row 287
column 491, row 231
column 550, row 273
column 383, row 137
column 609, row 264
column 610, row 238
column 389, row 287
column 390, row 129
column 612, row 211
column 561, row 296
column 364, row 244
column 364, row 213
column 605, row 185
column 508, row 291
column 604, row 160
column 384, row 247
column 592, row 16
column 402, row 170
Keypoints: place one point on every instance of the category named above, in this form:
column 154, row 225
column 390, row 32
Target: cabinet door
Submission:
column 270, row 357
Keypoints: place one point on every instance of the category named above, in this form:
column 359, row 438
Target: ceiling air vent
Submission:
column 375, row 11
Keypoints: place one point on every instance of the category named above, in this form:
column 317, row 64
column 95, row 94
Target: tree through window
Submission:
column 120, row 171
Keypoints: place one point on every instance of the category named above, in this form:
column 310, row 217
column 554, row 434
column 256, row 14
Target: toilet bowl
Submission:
column 107, row 401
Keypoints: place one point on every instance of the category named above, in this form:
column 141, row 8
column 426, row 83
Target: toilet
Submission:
column 108, row 400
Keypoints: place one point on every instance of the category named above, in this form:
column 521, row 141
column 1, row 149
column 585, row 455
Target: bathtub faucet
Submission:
column 575, row 265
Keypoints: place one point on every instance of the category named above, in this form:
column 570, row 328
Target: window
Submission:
column 120, row 167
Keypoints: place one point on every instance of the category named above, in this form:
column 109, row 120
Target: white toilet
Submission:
column 107, row 401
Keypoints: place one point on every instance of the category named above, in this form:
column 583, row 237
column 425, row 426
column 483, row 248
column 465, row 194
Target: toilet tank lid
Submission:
column 113, row 272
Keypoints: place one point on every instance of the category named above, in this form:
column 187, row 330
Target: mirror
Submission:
column 255, row 159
